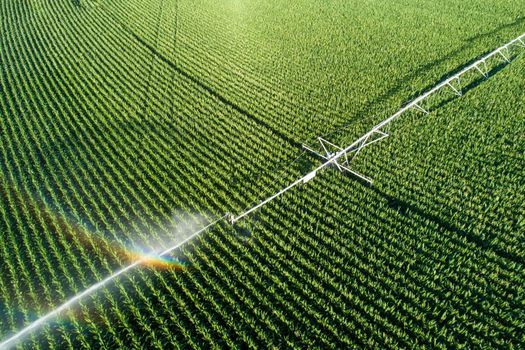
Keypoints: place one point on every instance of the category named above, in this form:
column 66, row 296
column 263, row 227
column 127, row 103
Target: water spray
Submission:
column 15, row 338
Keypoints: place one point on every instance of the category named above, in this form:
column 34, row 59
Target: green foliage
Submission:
column 118, row 118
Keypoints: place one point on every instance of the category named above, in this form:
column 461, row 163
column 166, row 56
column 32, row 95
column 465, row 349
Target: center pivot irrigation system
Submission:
column 342, row 157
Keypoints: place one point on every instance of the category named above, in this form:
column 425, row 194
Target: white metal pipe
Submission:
column 412, row 104
column 306, row 177
column 17, row 337
column 425, row 95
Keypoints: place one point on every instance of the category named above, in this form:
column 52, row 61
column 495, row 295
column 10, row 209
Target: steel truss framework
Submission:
column 340, row 157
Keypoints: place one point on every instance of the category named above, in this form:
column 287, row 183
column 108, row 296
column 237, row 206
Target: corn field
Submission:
column 126, row 126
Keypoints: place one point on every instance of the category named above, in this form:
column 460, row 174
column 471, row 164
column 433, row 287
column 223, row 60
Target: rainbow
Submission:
column 163, row 262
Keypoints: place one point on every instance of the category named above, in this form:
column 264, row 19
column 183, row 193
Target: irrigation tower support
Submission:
column 342, row 157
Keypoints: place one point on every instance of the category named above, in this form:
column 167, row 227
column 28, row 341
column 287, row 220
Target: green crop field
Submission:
column 128, row 125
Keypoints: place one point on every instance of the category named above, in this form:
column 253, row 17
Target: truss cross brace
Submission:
column 483, row 70
column 456, row 91
column 419, row 108
column 372, row 137
column 500, row 51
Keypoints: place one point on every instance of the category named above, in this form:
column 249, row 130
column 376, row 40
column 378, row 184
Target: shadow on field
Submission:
column 324, row 250
column 470, row 42
column 399, row 83
column 483, row 245
column 207, row 88
column 215, row 94
column 472, row 85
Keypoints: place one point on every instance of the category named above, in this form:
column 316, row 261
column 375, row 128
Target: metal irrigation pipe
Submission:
column 362, row 141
